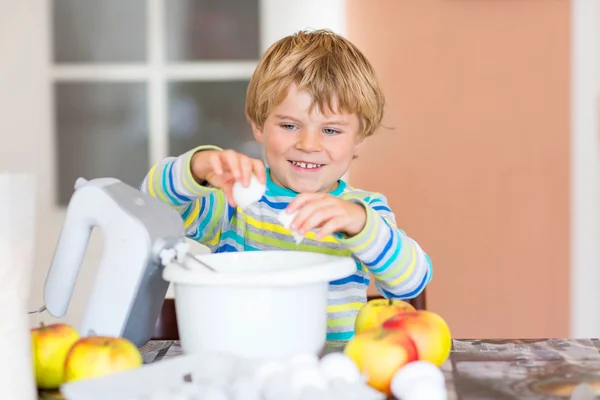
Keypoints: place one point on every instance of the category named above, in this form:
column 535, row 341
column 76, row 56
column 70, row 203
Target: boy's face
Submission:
column 307, row 152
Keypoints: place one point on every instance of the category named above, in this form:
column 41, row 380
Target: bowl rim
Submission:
column 324, row 268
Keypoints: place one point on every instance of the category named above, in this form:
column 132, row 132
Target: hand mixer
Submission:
column 128, row 291
column 141, row 235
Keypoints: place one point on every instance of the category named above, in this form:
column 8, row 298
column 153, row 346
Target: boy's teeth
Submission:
column 305, row 165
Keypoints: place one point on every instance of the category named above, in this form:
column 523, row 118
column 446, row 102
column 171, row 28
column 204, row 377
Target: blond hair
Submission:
column 325, row 65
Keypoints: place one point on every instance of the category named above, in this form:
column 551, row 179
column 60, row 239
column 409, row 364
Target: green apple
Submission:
column 96, row 356
column 50, row 345
column 375, row 312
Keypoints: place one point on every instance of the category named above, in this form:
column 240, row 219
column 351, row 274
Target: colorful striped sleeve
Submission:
column 399, row 266
column 203, row 209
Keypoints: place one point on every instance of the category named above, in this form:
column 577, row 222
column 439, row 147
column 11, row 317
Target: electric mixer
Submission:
column 141, row 235
column 128, row 291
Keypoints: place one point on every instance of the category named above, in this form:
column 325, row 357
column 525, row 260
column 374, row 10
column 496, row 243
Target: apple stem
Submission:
column 42, row 325
column 390, row 301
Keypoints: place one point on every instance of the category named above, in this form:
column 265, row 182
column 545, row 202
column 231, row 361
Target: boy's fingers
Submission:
column 246, row 169
column 228, row 191
column 232, row 161
column 331, row 226
column 318, row 217
column 215, row 163
column 310, row 211
column 259, row 170
column 301, row 200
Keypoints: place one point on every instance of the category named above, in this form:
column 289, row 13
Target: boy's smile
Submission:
column 308, row 150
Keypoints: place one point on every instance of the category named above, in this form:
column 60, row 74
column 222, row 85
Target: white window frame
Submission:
column 277, row 19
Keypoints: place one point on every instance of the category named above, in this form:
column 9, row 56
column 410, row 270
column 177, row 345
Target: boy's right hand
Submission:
column 222, row 168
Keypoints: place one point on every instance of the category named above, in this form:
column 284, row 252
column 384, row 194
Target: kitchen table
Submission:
column 488, row 369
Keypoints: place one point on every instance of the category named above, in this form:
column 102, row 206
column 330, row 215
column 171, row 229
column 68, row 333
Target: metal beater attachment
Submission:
column 180, row 253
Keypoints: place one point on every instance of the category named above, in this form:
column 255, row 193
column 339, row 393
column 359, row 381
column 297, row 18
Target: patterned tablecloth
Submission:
column 491, row 369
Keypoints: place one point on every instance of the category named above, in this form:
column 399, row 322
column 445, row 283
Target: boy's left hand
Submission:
column 328, row 213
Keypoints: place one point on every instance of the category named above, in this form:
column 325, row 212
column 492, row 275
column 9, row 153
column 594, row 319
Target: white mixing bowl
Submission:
column 260, row 304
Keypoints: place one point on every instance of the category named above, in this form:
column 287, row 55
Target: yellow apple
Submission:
column 375, row 312
column 50, row 345
column 379, row 354
column 429, row 332
column 96, row 356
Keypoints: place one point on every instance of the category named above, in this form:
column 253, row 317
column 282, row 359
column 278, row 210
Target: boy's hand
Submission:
column 328, row 213
column 222, row 168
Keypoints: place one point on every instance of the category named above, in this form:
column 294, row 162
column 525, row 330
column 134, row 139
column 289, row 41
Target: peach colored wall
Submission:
column 477, row 167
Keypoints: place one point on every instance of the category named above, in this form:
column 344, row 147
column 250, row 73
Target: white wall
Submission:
column 585, row 172
column 26, row 131
column 26, row 123
column 284, row 17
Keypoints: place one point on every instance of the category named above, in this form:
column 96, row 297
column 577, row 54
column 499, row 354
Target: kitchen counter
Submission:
column 488, row 369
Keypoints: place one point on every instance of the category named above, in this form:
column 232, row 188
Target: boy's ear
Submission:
column 360, row 142
column 257, row 131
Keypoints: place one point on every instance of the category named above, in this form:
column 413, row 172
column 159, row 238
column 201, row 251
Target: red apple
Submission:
column 375, row 312
column 429, row 332
column 379, row 354
column 50, row 345
column 96, row 356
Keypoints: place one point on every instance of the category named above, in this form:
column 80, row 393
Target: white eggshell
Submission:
column 304, row 377
column 340, row 389
column 424, row 391
column 245, row 388
column 339, row 366
column 246, row 196
column 304, row 360
column 414, row 375
column 269, row 369
column 297, row 237
column 214, row 392
column 286, row 219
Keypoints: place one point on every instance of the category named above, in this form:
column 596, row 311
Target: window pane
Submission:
column 202, row 113
column 102, row 131
column 199, row 30
column 99, row 31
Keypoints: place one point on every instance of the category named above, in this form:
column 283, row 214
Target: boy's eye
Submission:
column 289, row 127
column 330, row 131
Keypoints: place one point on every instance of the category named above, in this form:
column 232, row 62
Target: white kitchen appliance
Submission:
column 254, row 303
column 128, row 290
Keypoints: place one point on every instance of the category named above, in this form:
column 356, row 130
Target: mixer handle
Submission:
column 69, row 254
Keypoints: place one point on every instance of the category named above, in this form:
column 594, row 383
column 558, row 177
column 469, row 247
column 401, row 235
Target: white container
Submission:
column 260, row 304
column 17, row 248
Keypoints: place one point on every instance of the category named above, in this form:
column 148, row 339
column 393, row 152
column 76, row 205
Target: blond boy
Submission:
column 312, row 102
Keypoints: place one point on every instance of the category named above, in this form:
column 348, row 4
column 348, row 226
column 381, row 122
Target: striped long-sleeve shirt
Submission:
column 399, row 267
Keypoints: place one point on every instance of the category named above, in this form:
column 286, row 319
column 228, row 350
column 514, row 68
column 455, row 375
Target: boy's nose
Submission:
column 309, row 142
